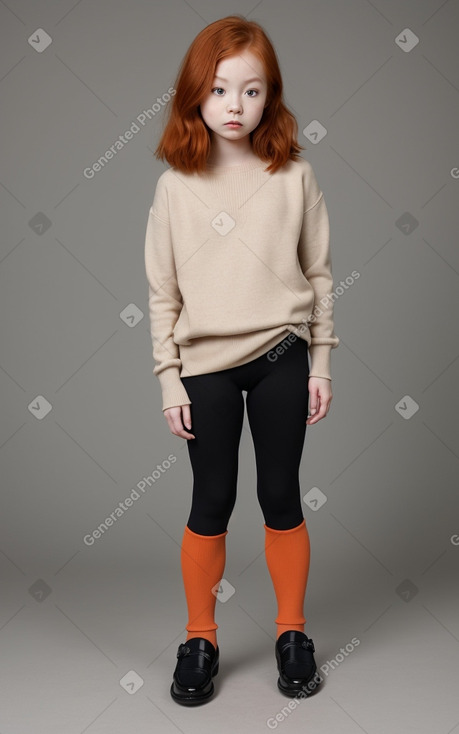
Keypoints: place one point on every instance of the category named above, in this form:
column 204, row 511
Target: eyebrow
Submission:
column 247, row 81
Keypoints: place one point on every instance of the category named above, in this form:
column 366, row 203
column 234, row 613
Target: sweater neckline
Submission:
column 239, row 168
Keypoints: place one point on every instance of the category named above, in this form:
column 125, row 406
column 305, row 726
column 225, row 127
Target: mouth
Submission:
column 233, row 123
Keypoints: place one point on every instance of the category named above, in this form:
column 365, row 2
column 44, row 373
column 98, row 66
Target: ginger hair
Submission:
column 185, row 141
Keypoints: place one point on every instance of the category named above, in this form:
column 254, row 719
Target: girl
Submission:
column 238, row 264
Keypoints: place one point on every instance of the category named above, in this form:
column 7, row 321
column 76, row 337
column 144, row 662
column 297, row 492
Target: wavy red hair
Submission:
column 185, row 142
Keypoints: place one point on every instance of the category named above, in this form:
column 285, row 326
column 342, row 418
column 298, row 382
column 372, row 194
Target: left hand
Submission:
column 320, row 397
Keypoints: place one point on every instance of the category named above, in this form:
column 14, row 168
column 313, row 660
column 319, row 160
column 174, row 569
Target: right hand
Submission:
column 178, row 417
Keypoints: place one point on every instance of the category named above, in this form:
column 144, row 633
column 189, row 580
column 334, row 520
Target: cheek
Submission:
column 258, row 109
column 209, row 106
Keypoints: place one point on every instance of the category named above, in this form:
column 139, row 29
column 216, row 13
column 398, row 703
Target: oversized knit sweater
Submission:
column 236, row 260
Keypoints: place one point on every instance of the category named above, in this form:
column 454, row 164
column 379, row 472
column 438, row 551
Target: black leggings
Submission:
column 277, row 408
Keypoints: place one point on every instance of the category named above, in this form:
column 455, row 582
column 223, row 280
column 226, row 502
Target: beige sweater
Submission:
column 236, row 260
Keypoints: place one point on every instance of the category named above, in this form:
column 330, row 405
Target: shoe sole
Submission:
column 304, row 688
column 191, row 700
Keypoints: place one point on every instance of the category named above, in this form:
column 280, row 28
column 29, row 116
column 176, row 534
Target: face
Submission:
column 239, row 92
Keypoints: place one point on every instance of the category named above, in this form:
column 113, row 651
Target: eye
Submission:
column 220, row 89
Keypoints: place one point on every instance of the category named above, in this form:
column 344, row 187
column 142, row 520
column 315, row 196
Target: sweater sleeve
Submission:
column 164, row 300
column 315, row 260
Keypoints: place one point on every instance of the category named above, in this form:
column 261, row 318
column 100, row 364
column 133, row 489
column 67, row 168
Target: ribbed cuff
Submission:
column 172, row 388
column 320, row 360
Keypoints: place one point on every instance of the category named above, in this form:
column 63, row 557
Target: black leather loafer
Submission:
column 296, row 664
column 198, row 662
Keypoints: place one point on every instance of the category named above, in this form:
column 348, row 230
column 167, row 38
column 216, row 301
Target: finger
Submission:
column 321, row 413
column 186, row 415
column 174, row 420
column 178, row 428
column 184, row 434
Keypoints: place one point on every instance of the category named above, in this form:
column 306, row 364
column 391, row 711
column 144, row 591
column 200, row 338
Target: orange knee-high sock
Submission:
column 287, row 557
column 203, row 560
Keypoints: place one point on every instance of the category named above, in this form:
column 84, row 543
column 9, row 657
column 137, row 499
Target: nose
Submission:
column 234, row 106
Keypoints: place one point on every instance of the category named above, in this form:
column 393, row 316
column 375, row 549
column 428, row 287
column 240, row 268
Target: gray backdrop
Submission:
column 89, row 629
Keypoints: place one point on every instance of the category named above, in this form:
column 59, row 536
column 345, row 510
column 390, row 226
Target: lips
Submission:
column 233, row 122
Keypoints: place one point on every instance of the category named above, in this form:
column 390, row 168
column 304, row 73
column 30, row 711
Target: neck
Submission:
column 230, row 152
